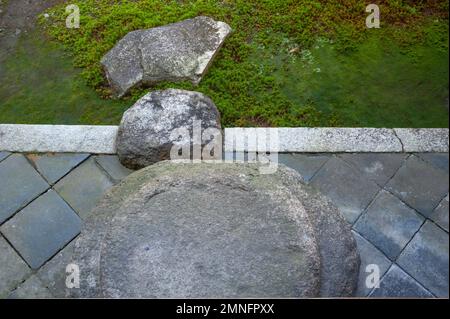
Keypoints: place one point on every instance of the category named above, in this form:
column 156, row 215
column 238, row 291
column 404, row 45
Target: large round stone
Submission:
column 214, row 230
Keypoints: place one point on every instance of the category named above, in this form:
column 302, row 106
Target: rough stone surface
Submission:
column 19, row 184
column 305, row 164
column 180, row 51
column 206, row 230
column 42, row 228
column 419, row 185
column 13, row 269
column 440, row 214
column 426, row 259
column 147, row 130
column 423, row 140
column 112, row 166
column 397, row 283
column 55, row 166
column 389, row 224
column 32, row 288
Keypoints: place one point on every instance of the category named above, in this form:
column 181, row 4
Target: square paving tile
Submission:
column 4, row 155
column 13, row 270
column 42, row 228
column 420, row 185
column 378, row 167
column 397, row 283
column 426, row 259
column 20, row 183
column 440, row 214
column 54, row 166
column 112, row 165
column 84, row 187
column 389, row 224
column 32, row 288
column 369, row 255
column 439, row 160
column 306, row 164
column 348, row 189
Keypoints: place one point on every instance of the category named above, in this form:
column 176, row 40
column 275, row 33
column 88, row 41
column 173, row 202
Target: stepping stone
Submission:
column 19, row 184
column 214, row 230
column 4, row 155
column 83, row 187
column 389, row 224
column 13, row 269
column 42, row 228
column 112, row 165
column 426, row 259
column 54, row 166
column 440, row 214
column 420, row 185
column 32, row 288
column 396, row 283
column 306, row 165
column 347, row 188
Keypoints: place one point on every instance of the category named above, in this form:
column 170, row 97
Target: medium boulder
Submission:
column 176, row 52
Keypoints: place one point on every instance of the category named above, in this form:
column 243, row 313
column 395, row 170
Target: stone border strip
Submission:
column 102, row 139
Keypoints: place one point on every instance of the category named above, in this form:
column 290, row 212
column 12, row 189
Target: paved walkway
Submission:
column 397, row 204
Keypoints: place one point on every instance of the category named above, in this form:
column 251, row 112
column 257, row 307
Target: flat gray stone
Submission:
column 4, row 155
column 440, row 214
column 83, row 187
column 398, row 284
column 13, row 269
column 378, row 167
column 54, row 166
column 348, row 189
column 206, row 230
column 148, row 130
column 439, row 160
column 420, row 185
column 42, row 228
column 423, row 139
column 176, row 52
column 19, row 184
column 369, row 255
column 389, row 224
column 112, row 165
column 426, row 259
column 32, row 288
column 306, row 165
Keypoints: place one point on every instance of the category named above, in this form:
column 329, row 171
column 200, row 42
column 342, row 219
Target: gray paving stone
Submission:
column 378, row 167
column 112, row 165
column 83, row 187
column 32, row 288
column 42, row 228
column 369, row 255
column 440, row 214
column 420, row 185
column 306, row 164
column 54, row 166
column 4, row 155
column 13, row 270
column 19, row 184
column 389, row 224
column 439, row 160
column 397, row 283
column 426, row 259
column 348, row 189
column 53, row 273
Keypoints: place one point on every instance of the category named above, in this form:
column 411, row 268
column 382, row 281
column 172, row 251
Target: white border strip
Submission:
column 102, row 139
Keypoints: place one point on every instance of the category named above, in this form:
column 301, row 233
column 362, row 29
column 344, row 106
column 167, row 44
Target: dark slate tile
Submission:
column 440, row 214
column 84, row 187
column 32, row 288
column 4, row 155
column 13, row 270
column 396, row 283
column 378, row 167
column 439, row 160
column 42, row 228
column 426, row 259
column 112, row 165
column 369, row 255
column 389, row 224
column 306, row 164
column 420, row 185
column 19, row 184
column 348, row 189
column 54, row 166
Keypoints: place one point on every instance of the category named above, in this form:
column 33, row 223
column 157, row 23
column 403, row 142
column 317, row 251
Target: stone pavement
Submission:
column 397, row 204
